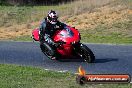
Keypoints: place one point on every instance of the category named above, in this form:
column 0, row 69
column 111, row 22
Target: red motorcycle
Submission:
column 69, row 45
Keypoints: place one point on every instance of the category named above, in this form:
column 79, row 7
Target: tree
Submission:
column 33, row 2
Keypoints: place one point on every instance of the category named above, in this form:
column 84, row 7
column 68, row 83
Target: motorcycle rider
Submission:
column 48, row 27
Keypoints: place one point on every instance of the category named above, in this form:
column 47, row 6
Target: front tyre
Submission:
column 86, row 54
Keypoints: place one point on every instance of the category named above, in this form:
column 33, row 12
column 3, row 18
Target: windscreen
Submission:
column 66, row 32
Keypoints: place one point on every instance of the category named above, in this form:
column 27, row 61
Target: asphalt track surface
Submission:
column 113, row 59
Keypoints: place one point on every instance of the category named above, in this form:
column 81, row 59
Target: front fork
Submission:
column 76, row 48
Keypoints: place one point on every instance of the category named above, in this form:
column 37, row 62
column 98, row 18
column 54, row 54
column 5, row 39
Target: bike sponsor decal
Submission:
column 83, row 78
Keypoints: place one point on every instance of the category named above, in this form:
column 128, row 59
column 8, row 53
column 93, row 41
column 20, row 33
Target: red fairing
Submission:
column 35, row 34
column 68, row 35
column 67, row 45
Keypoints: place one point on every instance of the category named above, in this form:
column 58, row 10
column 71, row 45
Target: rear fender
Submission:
column 35, row 34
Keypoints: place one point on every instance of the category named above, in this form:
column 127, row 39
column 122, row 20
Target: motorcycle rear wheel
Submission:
column 49, row 52
column 46, row 50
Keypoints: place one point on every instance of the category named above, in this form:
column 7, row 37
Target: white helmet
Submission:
column 52, row 17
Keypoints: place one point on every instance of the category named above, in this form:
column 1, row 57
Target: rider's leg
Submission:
column 49, row 44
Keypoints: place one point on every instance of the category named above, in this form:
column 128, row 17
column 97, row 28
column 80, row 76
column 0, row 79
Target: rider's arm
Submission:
column 42, row 26
column 41, row 30
column 61, row 25
column 44, row 33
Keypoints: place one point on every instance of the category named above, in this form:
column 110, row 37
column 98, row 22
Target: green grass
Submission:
column 23, row 38
column 28, row 77
column 12, row 76
column 91, row 38
column 102, row 34
column 11, row 15
column 113, row 39
column 117, row 33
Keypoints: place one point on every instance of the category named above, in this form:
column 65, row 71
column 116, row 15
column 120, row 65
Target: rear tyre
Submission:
column 86, row 54
column 47, row 50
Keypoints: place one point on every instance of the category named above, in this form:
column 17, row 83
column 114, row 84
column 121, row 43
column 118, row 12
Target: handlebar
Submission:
column 61, row 42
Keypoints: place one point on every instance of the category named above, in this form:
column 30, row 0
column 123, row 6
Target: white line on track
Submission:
column 82, row 42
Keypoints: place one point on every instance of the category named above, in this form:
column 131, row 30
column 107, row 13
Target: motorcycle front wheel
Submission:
column 86, row 53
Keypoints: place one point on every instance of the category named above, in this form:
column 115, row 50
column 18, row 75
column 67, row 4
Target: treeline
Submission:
column 33, row 2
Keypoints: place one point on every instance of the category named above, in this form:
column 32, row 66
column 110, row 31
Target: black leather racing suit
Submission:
column 47, row 30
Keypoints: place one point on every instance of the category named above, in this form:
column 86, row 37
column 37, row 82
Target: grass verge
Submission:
column 11, row 15
column 23, row 38
column 13, row 76
column 91, row 38
column 113, row 39
column 111, row 23
column 117, row 33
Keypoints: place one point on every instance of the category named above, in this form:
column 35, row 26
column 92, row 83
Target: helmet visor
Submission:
column 54, row 19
